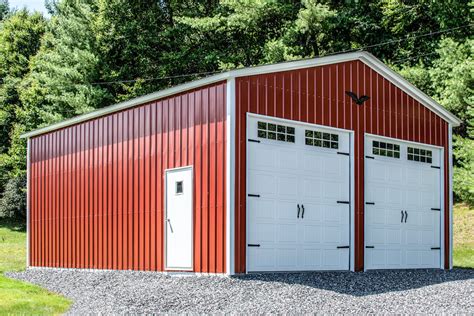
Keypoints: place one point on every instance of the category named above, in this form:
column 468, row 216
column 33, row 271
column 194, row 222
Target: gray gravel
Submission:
column 404, row 291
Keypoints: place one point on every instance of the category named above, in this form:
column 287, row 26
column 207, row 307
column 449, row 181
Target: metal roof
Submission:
column 363, row 56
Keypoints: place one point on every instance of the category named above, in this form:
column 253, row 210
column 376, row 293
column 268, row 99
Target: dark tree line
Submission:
column 89, row 54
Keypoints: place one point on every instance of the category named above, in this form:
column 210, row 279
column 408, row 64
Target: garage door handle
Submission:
column 302, row 213
column 298, row 214
column 406, row 216
column 401, row 221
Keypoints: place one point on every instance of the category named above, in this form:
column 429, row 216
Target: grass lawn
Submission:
column 463, row 237
column 18, row 297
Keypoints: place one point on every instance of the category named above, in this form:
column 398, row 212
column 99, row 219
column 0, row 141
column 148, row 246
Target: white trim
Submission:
column 442, row 183
column 28, row 170
column 230, row 176
column 364, row 57
column 404, row 141
column 352, row 199
column 374, row 63
column 351, row 181
column 165, row 267
column 451, row 195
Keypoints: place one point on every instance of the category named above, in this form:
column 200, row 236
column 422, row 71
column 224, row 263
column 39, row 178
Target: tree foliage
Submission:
column 92, row 53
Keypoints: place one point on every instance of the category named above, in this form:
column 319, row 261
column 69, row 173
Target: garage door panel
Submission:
column 263, row 183
column 264, row 160
column 287, row 186
column 312, row 233
column 312, row 188
column 401, row 226
column 287, row 160
column 285, row 210
column 334, row 235
column 336, row 213
column 264, row 232
column 286, row 258
column 287, row 233
column 261, row 209
column 312, row 163
column 312, row 258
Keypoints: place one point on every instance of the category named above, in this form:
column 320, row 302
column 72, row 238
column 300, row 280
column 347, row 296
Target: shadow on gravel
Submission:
column 365, row 283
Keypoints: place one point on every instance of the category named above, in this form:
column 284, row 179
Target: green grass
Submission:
column 463, row 237
column 18, row 297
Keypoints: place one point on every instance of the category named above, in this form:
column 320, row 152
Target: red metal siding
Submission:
column 317, row 95
column 96, row 188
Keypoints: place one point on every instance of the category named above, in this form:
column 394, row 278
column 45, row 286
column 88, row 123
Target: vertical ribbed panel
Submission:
column 96, row 188
column 317, row 95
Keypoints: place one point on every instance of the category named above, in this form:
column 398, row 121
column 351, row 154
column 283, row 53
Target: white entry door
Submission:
column 179, row 219
column 402, row 205
column 298, row 206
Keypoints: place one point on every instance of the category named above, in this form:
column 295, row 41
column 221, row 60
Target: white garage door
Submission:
column 298, row 197
column 402, row 205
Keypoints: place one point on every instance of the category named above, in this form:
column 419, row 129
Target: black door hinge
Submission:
column 435, row 209
column 369, row 203
column 341, row 153
column 342, row 247
column 371, row 247
column 435, row 167
column 370, row 157
column 253, row 140
column 253, row 245
column 254, row 195
column 435, row 248
column 343, row 202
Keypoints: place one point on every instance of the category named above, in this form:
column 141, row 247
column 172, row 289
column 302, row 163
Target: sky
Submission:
column 32, row 5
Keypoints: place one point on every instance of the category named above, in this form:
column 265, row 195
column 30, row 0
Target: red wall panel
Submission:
column 96, row 188
column 317, row 95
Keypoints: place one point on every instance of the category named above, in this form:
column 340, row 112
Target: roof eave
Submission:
column 363, row 56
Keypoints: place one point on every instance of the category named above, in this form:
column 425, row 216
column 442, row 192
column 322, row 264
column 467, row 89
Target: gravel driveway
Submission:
column 405, row 291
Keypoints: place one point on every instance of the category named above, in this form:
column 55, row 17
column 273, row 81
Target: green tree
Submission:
column 20, row 36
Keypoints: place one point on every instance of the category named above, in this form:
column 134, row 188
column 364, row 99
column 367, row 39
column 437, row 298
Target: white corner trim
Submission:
column 364, row 57
column 28, row 177
column 451, row 196
column 230, row 176
column 352, row 199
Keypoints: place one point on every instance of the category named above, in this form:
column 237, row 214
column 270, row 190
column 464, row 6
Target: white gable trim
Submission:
column 365, row 57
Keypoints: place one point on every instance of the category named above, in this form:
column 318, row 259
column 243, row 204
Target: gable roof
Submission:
column 363, row 56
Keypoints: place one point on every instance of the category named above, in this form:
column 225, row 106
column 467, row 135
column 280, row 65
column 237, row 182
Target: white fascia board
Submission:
column 129, row 103
column 365, row 57
column 374, row 63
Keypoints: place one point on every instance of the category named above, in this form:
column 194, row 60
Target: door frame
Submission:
column 351, row 180
column 165, row 213
column 441, row 190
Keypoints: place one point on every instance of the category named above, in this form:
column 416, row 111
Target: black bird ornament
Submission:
column 356, row 99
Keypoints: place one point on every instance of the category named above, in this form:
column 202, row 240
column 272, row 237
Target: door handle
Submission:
column 406, row 216
column 401, row 221
column 302, row 213
column 298, row 215
column 169, row 223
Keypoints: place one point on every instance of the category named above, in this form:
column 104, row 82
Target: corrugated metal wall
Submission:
column 317, row 95
column 96, row 188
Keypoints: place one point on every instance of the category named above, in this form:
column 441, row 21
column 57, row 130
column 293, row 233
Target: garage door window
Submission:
column 276, row 132
column 321, row 139
column 385, row 149
column 421, row 155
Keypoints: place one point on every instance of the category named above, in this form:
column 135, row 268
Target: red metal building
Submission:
column 334, row 163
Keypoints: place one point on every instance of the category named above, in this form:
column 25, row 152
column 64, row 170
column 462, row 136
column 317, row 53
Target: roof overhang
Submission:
column 364, row 57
